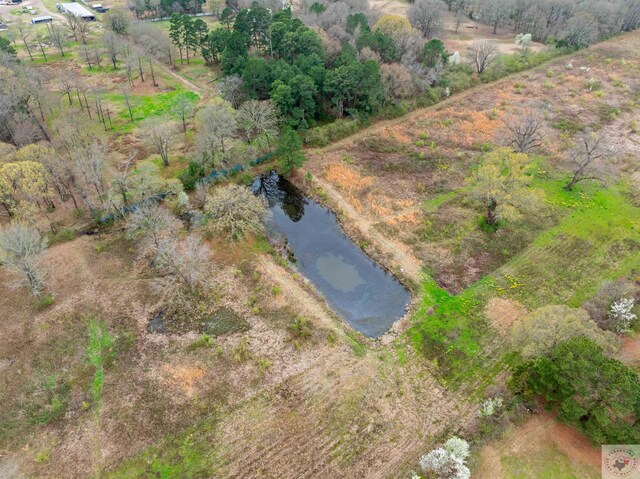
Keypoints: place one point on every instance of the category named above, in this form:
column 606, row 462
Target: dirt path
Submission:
column 201, row 92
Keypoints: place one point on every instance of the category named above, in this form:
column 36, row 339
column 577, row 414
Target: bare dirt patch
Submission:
column 629, row 352
column 540, row 438
column 183, row 379
column 502, row 313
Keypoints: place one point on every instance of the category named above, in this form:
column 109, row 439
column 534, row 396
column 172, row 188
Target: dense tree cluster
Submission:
column 542, row 330
column 598, row 395
column 308, row 74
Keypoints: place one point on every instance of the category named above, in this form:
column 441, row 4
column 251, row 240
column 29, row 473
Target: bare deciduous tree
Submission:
column 201, row 194
column 581, row 30
column 159, row 133
column 113, row 43
column 526, row 132
column 187, row 263
column 72, row 23
column 90, row 160
column 184, row 109
column 217, row 122
column 152, row 40
column 23, row 33
column 56, row 34
column 83, row 31
column 21, row 248
column 397, row 82
column 589, row 156
column 258, row 118
column 151, row 223
column 67, row 84
column 496, row 12
column 232, row 89
column 426, row 16
column 482, row 53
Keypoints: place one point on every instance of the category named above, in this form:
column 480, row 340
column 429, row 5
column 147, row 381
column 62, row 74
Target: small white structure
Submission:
column 76, row 10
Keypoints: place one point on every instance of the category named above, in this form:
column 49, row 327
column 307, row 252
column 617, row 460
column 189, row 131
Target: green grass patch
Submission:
column 51, row 401
column 145, row 106
column 598, row 239
column 357, row 345
column 432, row 204
column 547, row 463
column 449, row 328
column 99, row 351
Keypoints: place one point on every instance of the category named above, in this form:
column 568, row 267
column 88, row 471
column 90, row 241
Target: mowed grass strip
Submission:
column 598, row 239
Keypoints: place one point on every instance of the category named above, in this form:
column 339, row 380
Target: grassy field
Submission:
column 579, row 239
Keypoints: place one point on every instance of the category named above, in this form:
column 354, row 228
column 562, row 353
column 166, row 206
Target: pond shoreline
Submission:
column 353, row 233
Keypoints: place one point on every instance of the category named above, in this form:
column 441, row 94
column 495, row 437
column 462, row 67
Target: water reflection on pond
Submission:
column 358, row 289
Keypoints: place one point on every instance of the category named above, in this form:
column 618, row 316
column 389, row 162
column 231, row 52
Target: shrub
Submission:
column 441, row 464
column 242, row 352
column 300, row 328
column 457, row 447
column 337, row 130
column 204, row 341
column 457, row 78
column 490, row 406
column 190, row 177
column 621, row 315
column 63, row 235
column 235, row 211
column 43, row 301
column 599, row 307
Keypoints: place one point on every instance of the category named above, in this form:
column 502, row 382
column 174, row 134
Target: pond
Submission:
column 365, row 295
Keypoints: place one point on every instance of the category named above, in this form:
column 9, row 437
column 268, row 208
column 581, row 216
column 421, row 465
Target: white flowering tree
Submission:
column 622, row 315
column 447, row 462
column 454, row 59
column 490, row 406
column 457, row 447
column 523, row 39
